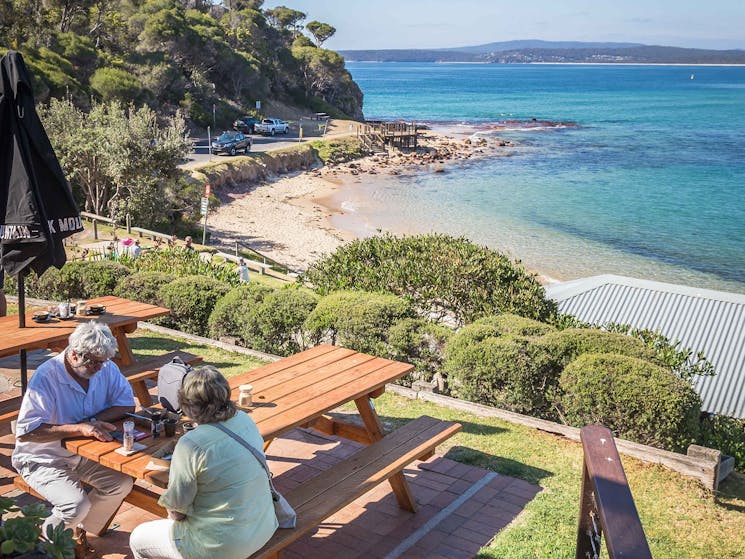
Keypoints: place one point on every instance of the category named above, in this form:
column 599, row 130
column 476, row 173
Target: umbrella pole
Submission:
column 22, row 324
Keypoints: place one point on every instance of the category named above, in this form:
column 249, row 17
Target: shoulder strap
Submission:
column 258, row 455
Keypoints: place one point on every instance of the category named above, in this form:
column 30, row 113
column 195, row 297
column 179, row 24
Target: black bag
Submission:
column 170, row 378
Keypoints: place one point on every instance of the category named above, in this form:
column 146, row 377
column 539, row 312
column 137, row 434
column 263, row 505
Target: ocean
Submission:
column 631, row 170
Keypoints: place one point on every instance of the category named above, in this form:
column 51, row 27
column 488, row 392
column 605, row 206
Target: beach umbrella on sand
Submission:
column 37, row 210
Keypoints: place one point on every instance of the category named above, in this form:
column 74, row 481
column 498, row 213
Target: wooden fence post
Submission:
column 95, row 229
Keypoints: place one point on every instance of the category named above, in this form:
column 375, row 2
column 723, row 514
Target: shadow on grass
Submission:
column 497, row 464
column 731, row 494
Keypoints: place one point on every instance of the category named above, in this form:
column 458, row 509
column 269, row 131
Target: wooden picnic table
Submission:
column 295, row 391
column 121, row 315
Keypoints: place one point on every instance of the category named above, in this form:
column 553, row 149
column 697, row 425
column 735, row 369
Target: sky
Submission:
column 389, row 24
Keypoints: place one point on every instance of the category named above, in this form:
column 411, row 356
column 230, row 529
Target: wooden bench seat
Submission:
column 140, row 371
column 9, row 409
column 140, row 497
column 332, row 490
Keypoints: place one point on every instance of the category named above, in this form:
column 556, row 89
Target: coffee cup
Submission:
column 170, row 427
column 80, row 307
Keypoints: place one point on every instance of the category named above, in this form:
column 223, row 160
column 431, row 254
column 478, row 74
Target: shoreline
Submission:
column 295, row 219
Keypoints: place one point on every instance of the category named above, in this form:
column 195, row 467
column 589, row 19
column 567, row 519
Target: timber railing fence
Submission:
column 607, row 508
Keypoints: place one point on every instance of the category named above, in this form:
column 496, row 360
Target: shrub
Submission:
column 98, row 278
column 727, row 434
column 441, row 276
column 635, row 399
column 277, row 325
column 144, row 286
column 191, row 300
column 504, row 371
column 421, row 343
column 566, row 345
column 234, row 312
column 180, row 262
column 356, row 320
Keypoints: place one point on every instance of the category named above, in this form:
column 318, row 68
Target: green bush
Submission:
column 192, row 300
column 635, row 399
column 504, row 371
column 356, row 320
column 726, row 434
column 566, row 345
column 441, row 276
column 98, row 278
column 277, row 322
column 421, row 343
column 180, row 263
column 234, row 312
column 145, row 287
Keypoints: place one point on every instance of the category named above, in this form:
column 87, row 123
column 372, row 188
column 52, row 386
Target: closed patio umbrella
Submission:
column 37, row 210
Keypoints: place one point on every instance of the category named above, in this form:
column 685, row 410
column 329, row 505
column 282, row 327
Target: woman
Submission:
column 218, row 499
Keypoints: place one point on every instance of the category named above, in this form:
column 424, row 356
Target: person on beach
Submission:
column 242, row 270
column 218, row 498
column 74, row 394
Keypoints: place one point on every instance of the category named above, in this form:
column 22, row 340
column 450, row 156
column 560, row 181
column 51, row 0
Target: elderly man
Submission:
column 74, row 394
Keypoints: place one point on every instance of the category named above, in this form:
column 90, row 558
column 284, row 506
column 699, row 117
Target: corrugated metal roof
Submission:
column 702, row 319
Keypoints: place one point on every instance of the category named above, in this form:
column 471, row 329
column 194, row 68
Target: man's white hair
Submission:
column 93, row 338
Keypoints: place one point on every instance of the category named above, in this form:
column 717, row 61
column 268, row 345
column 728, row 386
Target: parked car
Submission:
column 246, row 124
column 231, row 143
column 271, row 126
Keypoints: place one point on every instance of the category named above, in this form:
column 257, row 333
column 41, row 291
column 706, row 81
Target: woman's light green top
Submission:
column 223, row 491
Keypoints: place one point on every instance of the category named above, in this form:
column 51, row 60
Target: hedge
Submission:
column 234, row 312
column 191, row 300
column 635, row 399
column 277, row 323
column 445, row 277
column 421, row 343
column 357, row 320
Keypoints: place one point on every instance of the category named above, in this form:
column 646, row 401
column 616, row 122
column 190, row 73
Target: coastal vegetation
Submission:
column 504, row 346
column 173, row 55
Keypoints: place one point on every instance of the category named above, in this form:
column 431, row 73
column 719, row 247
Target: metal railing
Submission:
column 607, row 507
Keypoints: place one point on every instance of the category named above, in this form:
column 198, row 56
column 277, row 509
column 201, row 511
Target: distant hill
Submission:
column 536, row 44
column 531, row 51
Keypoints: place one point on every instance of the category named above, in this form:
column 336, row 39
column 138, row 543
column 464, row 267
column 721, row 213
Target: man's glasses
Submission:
column 89, row 360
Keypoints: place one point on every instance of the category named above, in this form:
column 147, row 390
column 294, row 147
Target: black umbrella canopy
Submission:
column 37, row 209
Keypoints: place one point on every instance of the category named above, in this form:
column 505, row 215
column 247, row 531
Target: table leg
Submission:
column 126, row 357
column 375, row 430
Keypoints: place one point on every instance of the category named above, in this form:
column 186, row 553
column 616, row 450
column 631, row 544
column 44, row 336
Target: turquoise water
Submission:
column 647, row 179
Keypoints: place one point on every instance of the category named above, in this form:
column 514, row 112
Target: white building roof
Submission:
column 702, row 319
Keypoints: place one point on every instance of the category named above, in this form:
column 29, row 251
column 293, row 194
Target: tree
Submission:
column 283, row 17
column 118, row 160
column 322, row 32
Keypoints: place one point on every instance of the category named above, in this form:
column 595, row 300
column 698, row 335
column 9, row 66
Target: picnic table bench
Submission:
column 332, row 490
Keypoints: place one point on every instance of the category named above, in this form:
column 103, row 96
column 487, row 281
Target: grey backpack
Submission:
column 170, row 378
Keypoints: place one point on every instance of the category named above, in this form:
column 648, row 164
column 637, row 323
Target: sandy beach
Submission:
column 288, row 219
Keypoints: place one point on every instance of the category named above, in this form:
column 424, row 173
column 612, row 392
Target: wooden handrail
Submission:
column 606, row 505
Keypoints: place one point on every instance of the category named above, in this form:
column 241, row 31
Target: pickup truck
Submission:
column 271, row 126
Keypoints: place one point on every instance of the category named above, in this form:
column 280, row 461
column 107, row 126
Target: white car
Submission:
column 271, row 126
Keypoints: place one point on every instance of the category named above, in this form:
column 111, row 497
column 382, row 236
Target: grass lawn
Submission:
column 681, row 520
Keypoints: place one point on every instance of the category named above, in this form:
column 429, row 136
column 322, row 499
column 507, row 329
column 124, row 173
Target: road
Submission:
column 201, row 154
